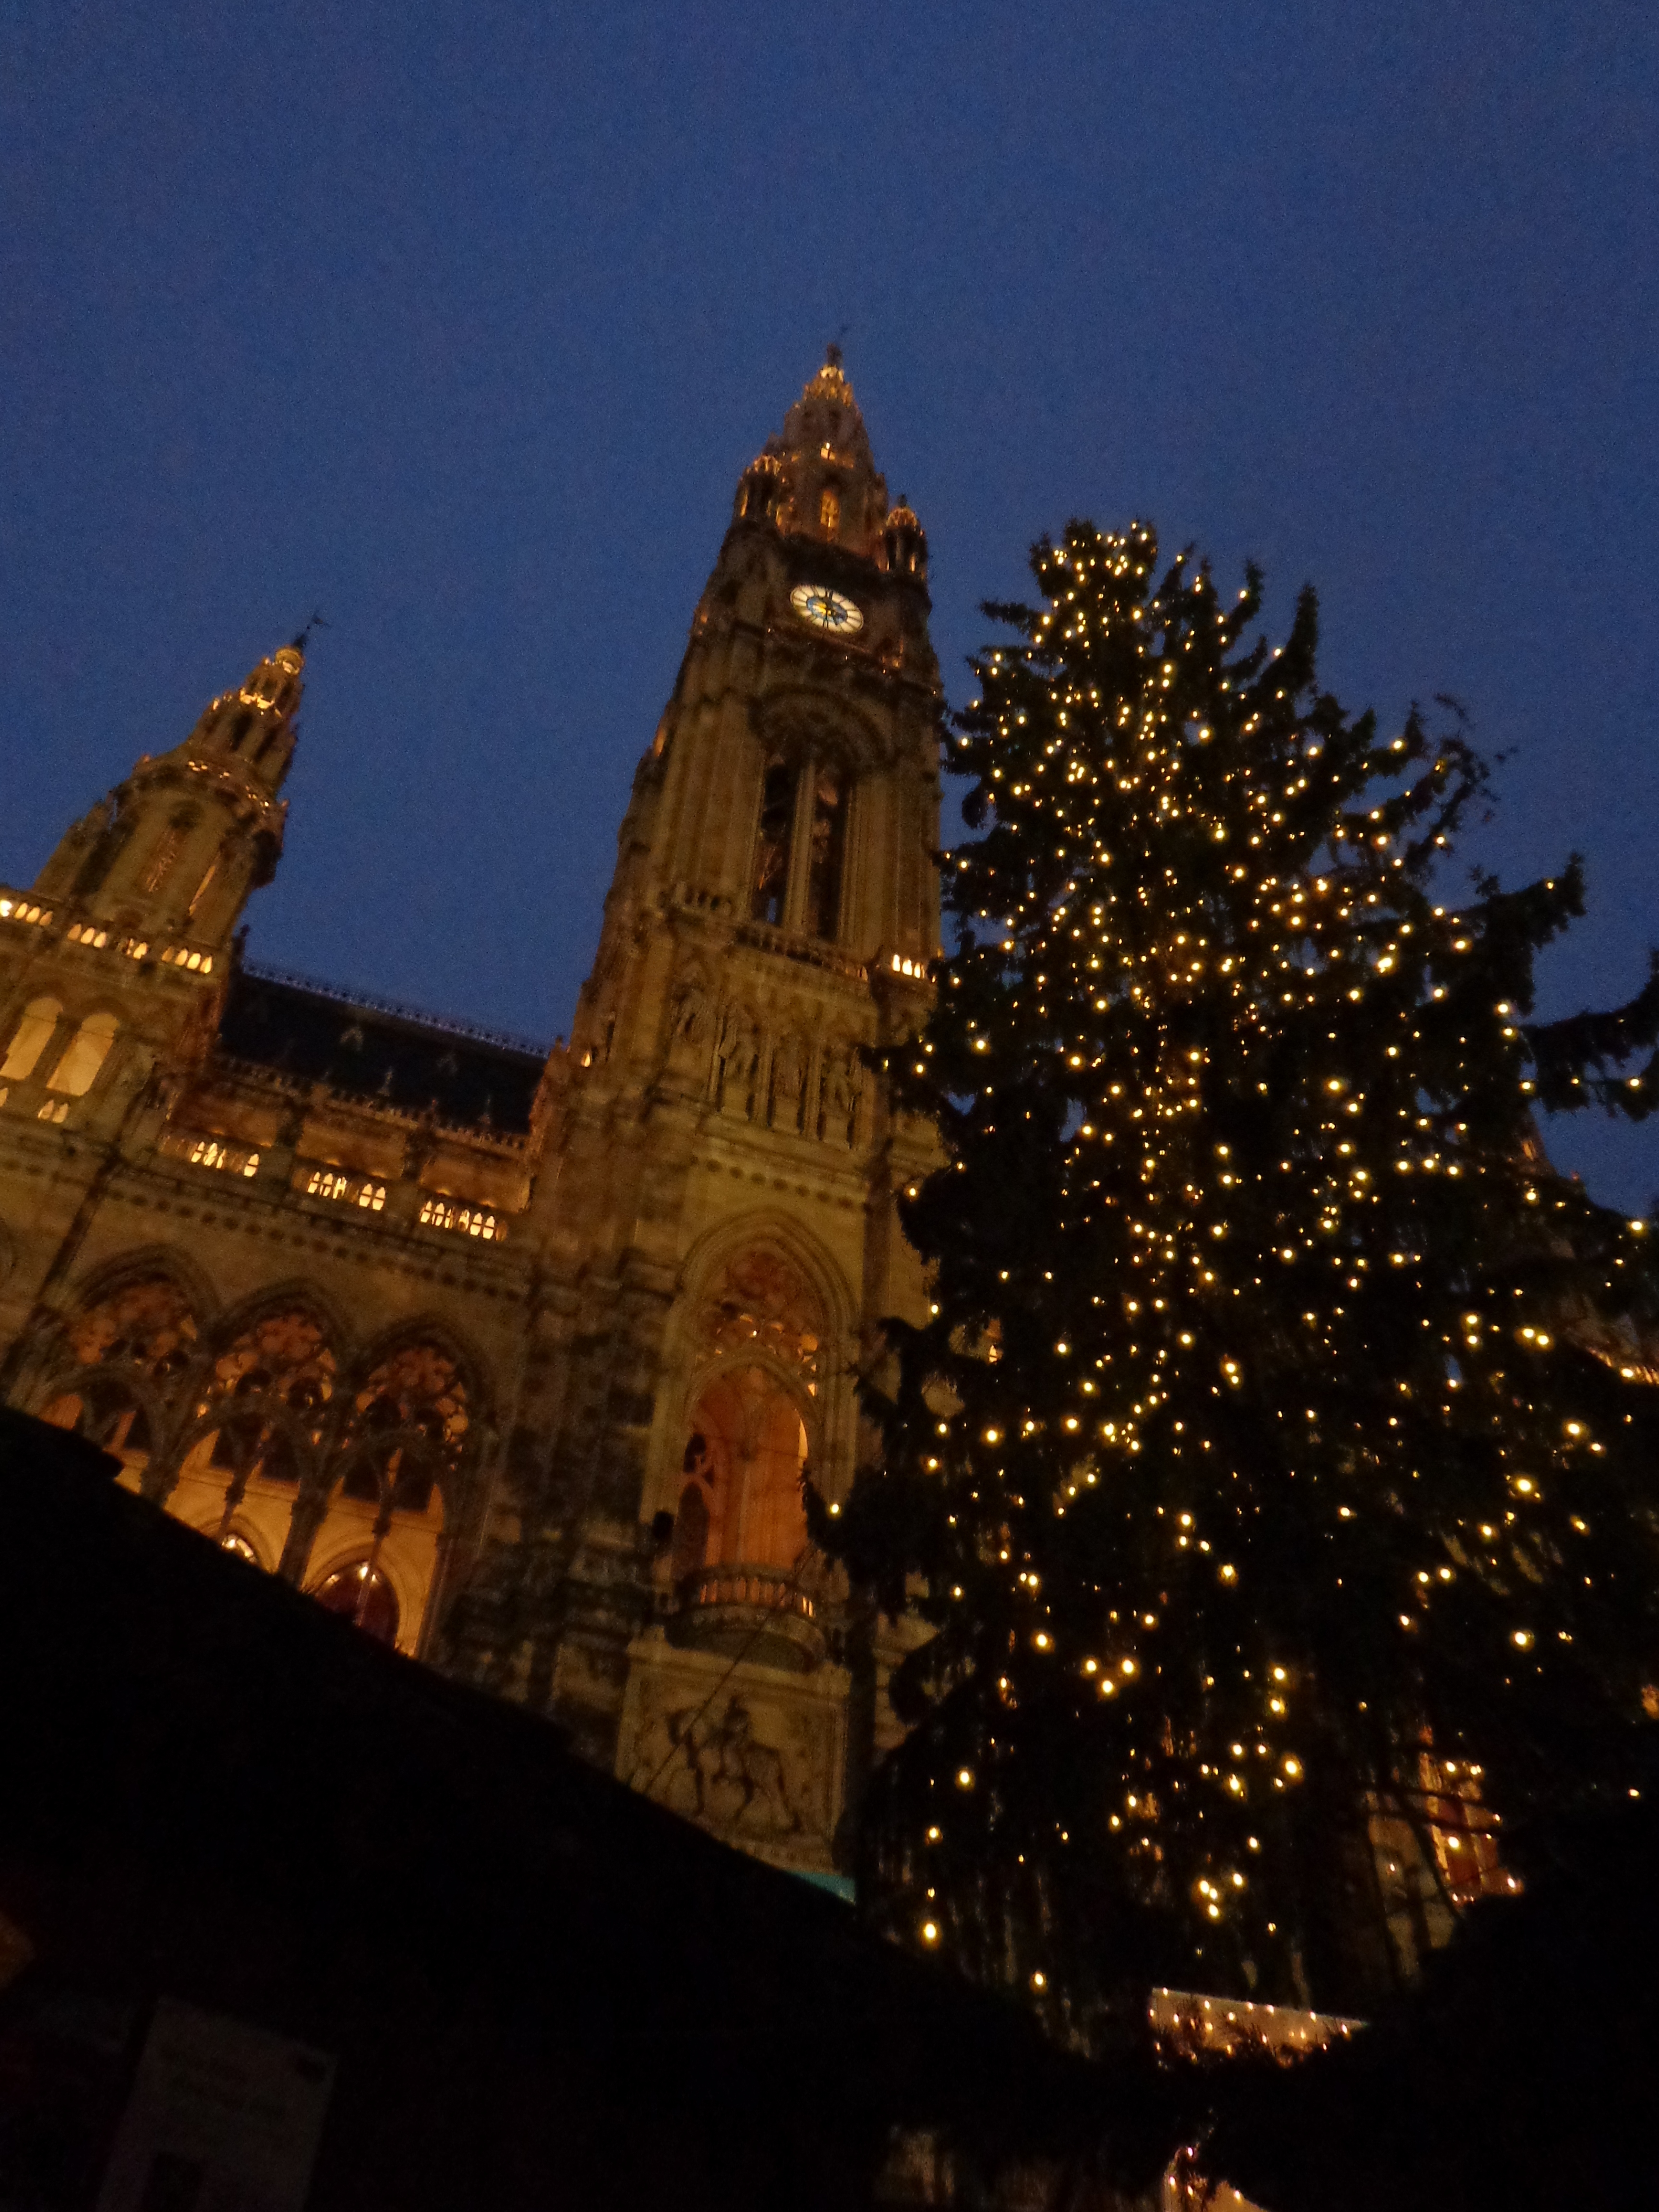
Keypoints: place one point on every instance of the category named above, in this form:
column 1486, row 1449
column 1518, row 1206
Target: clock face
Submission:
column 826, row 610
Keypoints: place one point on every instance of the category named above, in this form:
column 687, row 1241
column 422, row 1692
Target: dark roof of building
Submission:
column 180, row 1717
column 380, row 1054
column 1520, row 2071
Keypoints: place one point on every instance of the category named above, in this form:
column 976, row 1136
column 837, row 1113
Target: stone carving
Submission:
column 758, row 1758
column 739, row 1060
column 688, row 1043
column 839, row 1095
column 714, row 1769
column 789, row 1083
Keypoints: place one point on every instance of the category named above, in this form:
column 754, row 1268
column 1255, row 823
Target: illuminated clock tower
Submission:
column 717, row 1229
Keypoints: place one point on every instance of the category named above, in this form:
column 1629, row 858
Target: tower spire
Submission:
column 178, row 847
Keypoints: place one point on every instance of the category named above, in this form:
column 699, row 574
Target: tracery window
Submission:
column 407, row 1429
column 774, row 843
column 269, row 1392
column 760, row 1299
column 129, row 1352
column 829, row 512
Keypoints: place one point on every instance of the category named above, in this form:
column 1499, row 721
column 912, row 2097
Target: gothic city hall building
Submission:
column 518, row 1359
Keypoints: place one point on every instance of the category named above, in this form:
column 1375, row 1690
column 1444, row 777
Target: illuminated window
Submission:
column 1464, row 1831
column 209, row 1152
column 130, row 1356
column 463, row 1220
column 31, row 1037
column 774, row 842
column 268, row 1390
column 829, row 512
column 87, row 1050
column 354, row 1190
column 747, row 1481
column 366, row 1598
column 407, row 1428
column 827, row 852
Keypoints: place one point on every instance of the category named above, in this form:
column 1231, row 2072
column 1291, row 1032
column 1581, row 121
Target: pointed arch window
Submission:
column 827, row 853
column 408, row 1428
column 828, row 511
column 202, row 889
column 131, row 1352
column 30, row 1038
column 800, row 845
column 86, row 1053
column 364, row 1595
column 162, row 861
column 774, row 840
column 268, row 1393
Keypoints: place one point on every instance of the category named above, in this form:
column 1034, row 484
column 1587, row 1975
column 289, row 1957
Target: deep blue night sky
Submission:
column 460, row 322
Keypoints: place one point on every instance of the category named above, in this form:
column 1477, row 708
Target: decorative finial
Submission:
column 832, row 355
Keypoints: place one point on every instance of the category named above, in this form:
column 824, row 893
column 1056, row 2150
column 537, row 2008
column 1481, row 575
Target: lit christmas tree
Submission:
column 1281, row 1413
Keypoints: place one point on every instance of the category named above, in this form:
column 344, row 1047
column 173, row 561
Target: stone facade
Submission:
column 518, row 1357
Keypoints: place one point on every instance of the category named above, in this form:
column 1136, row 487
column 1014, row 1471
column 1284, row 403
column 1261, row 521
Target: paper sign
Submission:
column 223, row 2117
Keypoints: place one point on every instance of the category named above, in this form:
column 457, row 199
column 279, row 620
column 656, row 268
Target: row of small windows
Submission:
column 354, row 1190
column 465, row 1220
column 800, row 848
column 76, row 1067
column 337, row 1185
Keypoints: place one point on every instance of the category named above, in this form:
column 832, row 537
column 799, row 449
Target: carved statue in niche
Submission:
column 688, row 1042
column 788, row 1081
column 740, row 1059
column 760, row 1299
column 838, row 1101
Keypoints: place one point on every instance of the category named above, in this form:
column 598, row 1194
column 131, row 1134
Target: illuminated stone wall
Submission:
column 518, row 1356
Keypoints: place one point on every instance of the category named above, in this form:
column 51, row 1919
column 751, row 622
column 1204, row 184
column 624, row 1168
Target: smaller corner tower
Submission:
column 111, row 966
column 175, row 851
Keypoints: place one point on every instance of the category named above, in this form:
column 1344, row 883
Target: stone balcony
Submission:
column 753, row 1613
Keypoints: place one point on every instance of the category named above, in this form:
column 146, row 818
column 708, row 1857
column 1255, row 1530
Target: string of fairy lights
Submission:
column 1257, row 1437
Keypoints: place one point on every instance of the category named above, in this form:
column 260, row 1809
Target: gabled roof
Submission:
column 392, row 1056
